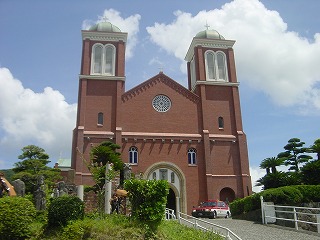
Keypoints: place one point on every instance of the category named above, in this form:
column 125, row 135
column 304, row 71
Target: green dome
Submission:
column 104, row 27
column 211, row 34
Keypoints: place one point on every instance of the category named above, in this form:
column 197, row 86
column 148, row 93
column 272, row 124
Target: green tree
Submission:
column 294, row 155
column 315, row 148
column 33, row 164
column 104, row 153
column 101, row 155
column 271, row 163
column 310, row 173
column 273, row 180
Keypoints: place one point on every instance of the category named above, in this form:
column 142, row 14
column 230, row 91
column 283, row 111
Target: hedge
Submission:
column 289, row 195
column 16, row 216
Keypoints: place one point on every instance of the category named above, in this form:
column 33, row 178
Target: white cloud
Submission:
column 129, row 25
column 256, row 173
column 271, row 59
column 156, row 61
column 44, row 119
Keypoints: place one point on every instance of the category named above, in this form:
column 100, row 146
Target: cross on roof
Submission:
column 161, row 68
column 105, row 18
column 207, row 25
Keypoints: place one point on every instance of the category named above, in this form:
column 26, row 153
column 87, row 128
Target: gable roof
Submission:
column 161, row 77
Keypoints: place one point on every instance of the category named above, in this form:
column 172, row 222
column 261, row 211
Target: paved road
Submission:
column 248, row 230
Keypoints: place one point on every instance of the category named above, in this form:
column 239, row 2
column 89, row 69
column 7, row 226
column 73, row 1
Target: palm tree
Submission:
column 271, row 163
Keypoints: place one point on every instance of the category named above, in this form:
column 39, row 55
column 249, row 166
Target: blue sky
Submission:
column 277, row 54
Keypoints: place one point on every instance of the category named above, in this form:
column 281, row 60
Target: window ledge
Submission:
column 192, row 165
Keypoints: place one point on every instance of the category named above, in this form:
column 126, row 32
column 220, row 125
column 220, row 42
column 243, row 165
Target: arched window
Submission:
column 133, row 155
column 103, row 59
column 109, row 60
column 192, row 156
column 100, row 118
column 97, row 59
column 220, row 122
column 210, row 65
column 216, row 67
column 221, row 62
column 172, row 177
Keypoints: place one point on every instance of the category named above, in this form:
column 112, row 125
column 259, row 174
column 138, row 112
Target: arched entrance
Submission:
column 171, row 200
column 170, row 172
column 227, row 195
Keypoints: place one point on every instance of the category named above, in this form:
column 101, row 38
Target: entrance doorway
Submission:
column 171, row 200
column 227, row 195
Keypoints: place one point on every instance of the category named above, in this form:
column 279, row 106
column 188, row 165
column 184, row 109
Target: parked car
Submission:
column 211, row 209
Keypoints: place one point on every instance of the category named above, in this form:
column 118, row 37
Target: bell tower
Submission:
column 212, row 76
column 101, row 84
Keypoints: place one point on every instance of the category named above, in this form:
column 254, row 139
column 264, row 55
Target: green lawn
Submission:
column 120, row 227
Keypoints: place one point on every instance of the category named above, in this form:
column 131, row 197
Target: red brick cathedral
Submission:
column 192, row 137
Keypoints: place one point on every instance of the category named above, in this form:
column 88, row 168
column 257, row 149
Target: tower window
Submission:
column 133, row 155
column 192, row 155
column 221, row 62
column 103, row 59
column 210, row 65
column 100, row 118
column 220, row 122
column 216, row 68
column 97, row 59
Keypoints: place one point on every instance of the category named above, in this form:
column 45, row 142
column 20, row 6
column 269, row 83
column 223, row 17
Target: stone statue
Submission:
column 19, row 187
column 62, row 190
column 40, row 194
column 127, row 171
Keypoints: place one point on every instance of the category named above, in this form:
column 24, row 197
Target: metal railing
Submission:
column 201, row 224
column 303, row 215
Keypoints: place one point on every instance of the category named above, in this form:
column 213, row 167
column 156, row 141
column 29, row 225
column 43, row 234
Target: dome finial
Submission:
column 105, row 18
column 207, row 25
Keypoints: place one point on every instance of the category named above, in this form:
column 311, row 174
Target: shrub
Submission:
column 64, row 209
column 289, row 195
column 148, row 199
column 80, row 229
column 16, row 216
column 310, row 193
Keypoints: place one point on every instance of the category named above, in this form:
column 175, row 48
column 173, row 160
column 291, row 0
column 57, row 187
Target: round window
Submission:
column 161, row 103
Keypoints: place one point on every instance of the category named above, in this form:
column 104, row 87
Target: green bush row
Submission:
column 20, row 220
column 289, row 195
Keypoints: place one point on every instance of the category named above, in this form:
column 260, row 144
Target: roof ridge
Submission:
column 161, row 77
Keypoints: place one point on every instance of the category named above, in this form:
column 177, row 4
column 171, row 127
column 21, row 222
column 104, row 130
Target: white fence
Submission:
column 297, row 216
column 201, row 224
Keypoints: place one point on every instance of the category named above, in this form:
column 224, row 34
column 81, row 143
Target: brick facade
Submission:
column 164, row 138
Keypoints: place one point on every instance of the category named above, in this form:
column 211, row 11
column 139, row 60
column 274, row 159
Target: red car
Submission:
column 211, row 209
